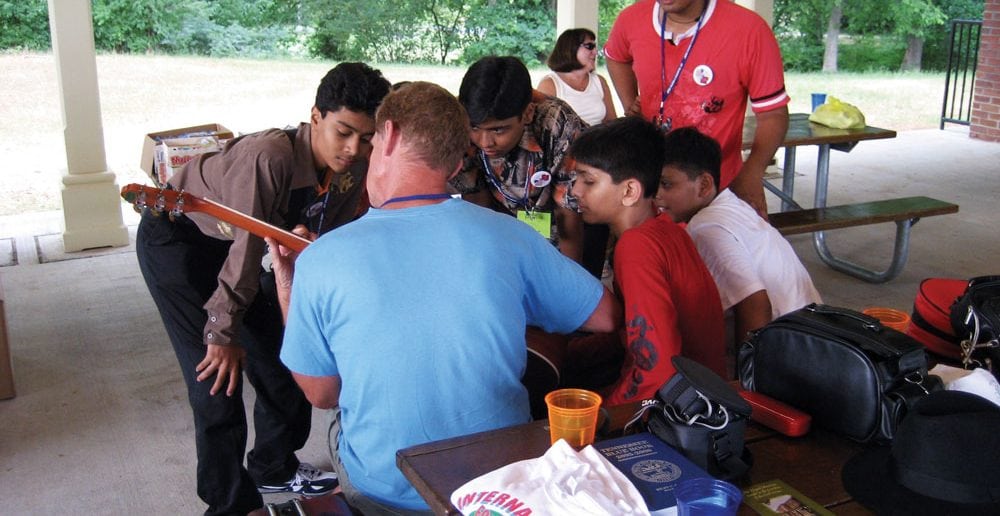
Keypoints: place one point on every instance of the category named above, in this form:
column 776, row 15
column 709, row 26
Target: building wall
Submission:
column 985, row 119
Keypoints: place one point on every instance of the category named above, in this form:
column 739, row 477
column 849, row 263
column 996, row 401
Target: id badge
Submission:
column 541, row 221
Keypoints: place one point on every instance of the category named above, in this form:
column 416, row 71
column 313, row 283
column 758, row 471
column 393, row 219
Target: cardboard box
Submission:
column 147, row 160
column 171, row 154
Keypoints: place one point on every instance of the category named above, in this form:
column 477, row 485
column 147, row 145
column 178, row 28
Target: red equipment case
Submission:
column 930, row 323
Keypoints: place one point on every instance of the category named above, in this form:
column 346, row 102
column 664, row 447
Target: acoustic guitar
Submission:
column 546, row 352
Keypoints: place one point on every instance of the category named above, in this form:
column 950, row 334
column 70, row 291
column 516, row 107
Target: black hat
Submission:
column 943, row 460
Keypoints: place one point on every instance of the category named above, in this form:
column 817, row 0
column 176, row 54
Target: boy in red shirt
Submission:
column 672, row 306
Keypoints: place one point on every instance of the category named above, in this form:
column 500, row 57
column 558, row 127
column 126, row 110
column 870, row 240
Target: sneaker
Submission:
column 308, row 481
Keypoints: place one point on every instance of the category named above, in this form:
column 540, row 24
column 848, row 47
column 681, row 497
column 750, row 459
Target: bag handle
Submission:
column 869, row 322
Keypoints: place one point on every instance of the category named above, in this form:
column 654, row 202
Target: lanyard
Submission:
column 322, row 213
column 417, row 197
column 495, row 181
column 666, row 123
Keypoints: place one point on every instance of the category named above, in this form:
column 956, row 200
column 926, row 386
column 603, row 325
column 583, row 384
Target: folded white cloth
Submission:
column 977, row 381
column 561, row 482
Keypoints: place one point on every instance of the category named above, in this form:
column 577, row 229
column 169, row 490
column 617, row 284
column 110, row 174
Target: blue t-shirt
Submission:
column 421, row 312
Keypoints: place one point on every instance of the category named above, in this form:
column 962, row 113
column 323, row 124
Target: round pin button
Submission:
column 541, row 179
column 703, row 75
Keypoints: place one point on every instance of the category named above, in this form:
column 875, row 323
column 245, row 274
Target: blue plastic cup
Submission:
column 818, row 100
column 707, row 497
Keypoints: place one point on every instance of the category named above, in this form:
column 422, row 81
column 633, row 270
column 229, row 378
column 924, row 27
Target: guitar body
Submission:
column 546, row 356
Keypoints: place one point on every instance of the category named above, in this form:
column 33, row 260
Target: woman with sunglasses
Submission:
column 573, row 61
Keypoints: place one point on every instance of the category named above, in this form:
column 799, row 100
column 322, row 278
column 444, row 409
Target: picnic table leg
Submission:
column 901, row 247
column 787, row 183
column 900, row 253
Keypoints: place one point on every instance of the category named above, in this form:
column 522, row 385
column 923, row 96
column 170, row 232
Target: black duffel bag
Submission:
column 853, row 375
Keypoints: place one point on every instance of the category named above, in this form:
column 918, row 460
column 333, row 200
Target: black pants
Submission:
column 181, row 267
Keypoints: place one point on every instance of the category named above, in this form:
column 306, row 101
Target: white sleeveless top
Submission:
column 588, row 104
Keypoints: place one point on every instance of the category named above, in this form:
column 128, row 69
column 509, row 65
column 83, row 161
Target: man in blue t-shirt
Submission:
column 382, row 326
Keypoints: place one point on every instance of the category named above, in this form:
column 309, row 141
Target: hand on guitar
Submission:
column 283, row 265
column 226, row 363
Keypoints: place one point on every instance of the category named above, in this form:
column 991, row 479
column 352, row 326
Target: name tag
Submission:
column 541, row 221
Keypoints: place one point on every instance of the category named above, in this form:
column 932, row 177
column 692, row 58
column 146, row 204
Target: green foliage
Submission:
column 938, row 38
column 877, row 31
column 799, row 26
column 249, row 28
column 871, row 53
column 415, row 31
column 453, row 31
column 915, row 17
column 607, row 12
column 800, row 54
column 225, row 28
column 137, row 25
column 25, row 24
column 521, row 28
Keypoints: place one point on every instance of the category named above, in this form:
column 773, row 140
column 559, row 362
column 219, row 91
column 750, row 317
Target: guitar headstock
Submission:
column 158, row 199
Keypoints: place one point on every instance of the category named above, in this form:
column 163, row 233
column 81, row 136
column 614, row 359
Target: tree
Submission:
column 446, row 17
column 833, row 37
column 914, row 19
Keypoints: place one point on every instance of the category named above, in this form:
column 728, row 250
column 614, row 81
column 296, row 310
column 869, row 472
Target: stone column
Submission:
column 91, row 205
column 571, row 14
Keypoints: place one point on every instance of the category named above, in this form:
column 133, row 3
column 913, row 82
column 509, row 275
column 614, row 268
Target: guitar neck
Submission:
column 246, row 222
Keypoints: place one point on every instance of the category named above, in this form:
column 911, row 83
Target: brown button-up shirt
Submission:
column 254, row 174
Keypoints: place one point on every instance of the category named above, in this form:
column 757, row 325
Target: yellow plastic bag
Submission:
column 838, row 115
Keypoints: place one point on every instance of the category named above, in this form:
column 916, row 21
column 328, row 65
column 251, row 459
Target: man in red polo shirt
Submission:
column 695, row 63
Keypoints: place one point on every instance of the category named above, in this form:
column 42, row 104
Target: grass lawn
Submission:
column 141, row 93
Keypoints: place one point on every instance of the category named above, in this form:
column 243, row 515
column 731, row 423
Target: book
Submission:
column 653, row 467
column 777, row 497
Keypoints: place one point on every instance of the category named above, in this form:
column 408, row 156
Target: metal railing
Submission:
column 960, row 77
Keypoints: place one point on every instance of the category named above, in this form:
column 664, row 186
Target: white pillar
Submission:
column 571, row 14
column 765, row 8
column 91, row 204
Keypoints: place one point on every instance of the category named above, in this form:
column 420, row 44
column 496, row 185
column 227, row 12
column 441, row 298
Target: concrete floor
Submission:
column 100, row 424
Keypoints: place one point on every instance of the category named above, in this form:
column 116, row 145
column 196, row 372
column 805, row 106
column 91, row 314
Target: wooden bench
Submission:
column 905, row 212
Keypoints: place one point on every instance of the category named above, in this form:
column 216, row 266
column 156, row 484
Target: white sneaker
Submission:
column 308, row 481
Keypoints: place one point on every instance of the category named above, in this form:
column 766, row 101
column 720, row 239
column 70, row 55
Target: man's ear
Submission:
column 706, row 186
column 631, row 192
column 390, row 135
column 315, row 116
column 528, row 114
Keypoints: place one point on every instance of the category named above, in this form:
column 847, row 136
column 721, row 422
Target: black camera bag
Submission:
column 853, row 375
column 697, row 413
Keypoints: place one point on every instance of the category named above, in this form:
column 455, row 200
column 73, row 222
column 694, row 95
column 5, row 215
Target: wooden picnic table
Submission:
column 811, row 464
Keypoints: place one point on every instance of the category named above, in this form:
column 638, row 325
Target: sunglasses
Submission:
column 590, row 45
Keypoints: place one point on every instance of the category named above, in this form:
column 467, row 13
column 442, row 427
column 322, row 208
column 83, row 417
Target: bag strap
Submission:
column 733, row 464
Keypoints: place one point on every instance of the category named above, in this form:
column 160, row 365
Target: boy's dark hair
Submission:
column 495, row 87
column 355, row 86
column 563, row 56
column 625, row 148
column 693, row 153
